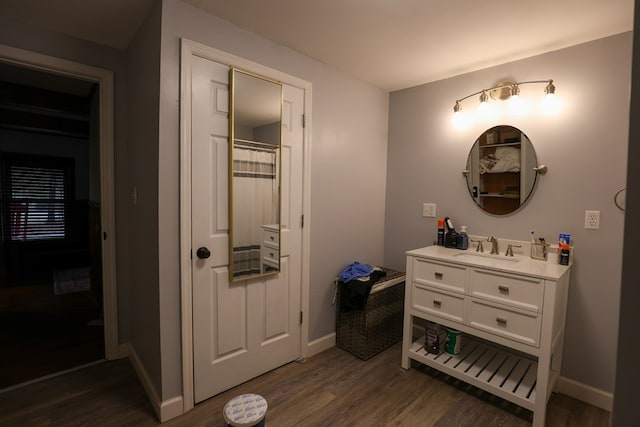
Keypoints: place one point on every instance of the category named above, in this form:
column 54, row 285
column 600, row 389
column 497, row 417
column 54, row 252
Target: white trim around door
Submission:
column 104, row 78
column 190, row 49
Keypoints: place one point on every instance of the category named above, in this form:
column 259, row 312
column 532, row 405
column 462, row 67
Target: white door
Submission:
column 243, row 329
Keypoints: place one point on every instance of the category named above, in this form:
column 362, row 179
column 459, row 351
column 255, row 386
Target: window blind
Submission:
column 37, row 202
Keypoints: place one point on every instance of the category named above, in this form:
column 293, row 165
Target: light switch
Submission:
column 429, row 210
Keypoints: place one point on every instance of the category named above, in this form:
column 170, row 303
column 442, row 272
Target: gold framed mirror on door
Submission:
column 255, row 138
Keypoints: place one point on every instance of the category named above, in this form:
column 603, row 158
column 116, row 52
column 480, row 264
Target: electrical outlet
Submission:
column 591, row 220
column 429, row 210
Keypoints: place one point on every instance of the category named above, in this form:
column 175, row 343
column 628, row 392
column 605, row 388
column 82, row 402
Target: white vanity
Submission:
column 511, row 311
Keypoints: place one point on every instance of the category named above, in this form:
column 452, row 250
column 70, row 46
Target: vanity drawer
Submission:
column 518, row 291
column 450, row 277
column 270, row 259
column 271, row 238
column 430, row 301
column 517, row 325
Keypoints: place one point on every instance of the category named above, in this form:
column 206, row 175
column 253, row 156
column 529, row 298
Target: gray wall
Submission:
column 625, row 403
column 349, row 133
column 140, row 306
column 585, row 149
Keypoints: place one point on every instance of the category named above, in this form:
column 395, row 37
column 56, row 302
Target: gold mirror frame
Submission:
column 502, row 170
column 255, row 141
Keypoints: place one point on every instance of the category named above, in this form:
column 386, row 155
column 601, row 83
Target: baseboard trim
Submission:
column 321, row 344
column 171, row 408
column 585, row 393
column 165, row 410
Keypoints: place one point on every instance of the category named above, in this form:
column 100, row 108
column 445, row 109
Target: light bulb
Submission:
column 486, row 112
column 550, row 105
column 461, row 120
column 518, row 107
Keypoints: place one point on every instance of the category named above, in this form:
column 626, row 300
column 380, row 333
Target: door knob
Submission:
column 203, row 253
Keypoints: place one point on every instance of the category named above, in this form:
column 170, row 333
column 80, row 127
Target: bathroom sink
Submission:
column 492, row 257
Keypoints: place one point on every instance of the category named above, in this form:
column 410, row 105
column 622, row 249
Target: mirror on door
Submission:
column 255, row 132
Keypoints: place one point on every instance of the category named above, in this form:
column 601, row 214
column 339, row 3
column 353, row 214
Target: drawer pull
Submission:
column 437, row 303
column 438, row 275
column 503, row 289
column 272, row 237
column 501, row 321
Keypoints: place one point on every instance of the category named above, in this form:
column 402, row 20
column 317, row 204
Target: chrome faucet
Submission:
column 510, row 247
column 494, row 244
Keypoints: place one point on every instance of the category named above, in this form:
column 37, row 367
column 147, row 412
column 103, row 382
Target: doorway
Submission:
column 57, row 290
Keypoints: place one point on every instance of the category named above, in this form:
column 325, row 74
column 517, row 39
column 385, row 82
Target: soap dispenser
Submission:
column 463, row 238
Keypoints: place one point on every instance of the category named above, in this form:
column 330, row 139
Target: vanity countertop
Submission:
column 518, row 264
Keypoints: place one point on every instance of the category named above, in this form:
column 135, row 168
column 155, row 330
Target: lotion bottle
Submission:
column 463, row 238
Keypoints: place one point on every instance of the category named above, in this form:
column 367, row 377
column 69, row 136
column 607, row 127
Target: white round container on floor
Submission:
column 247, row 410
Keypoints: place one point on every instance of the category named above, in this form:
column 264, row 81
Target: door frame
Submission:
column 104, row 79
column 188, row 50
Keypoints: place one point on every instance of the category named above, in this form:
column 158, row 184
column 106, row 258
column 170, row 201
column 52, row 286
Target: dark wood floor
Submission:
column 333, row 388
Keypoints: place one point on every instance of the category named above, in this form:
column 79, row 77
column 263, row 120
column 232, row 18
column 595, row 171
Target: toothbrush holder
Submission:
column 540, row 251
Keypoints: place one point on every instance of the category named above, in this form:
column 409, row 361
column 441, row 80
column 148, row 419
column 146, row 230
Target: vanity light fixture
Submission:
column 509, row 90
column 550, row 89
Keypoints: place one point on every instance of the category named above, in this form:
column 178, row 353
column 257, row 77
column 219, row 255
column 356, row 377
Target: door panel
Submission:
column 242, row 329
column 230, row 313
column 277, row 307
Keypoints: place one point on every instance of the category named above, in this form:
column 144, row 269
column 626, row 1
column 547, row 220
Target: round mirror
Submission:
column 501, row 170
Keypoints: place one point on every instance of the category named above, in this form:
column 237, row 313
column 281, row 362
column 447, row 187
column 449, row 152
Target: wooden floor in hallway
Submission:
column 333, row 388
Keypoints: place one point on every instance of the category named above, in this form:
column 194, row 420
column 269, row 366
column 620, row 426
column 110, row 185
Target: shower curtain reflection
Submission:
column 255, row 183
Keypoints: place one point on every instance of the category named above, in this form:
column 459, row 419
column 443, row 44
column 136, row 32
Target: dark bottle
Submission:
column 441, row 232
column 450, row 237
column 564, row 254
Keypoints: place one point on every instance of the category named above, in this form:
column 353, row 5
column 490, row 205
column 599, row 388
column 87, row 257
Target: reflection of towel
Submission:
column 505, row 159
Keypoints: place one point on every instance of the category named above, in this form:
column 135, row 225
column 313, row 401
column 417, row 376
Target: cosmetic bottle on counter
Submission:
column 451, row 236
column 441, row 232
column 564, row 249
column 463, row 238
column 564, row 254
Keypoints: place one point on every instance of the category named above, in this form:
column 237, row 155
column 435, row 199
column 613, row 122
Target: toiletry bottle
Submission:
column 564, row 254
column 463, row 239
column 451, row 236
column 441, row 232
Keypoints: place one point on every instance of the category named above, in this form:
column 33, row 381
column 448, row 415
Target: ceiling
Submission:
column 110, row 22
column 392, row 44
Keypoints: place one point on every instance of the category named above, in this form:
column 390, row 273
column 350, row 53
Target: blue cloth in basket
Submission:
column 354, row 271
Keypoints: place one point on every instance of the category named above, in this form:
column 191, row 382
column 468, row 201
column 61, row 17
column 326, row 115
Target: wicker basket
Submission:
column 365, row 333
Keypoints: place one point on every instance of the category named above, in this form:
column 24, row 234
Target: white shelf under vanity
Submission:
column 511, row 311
